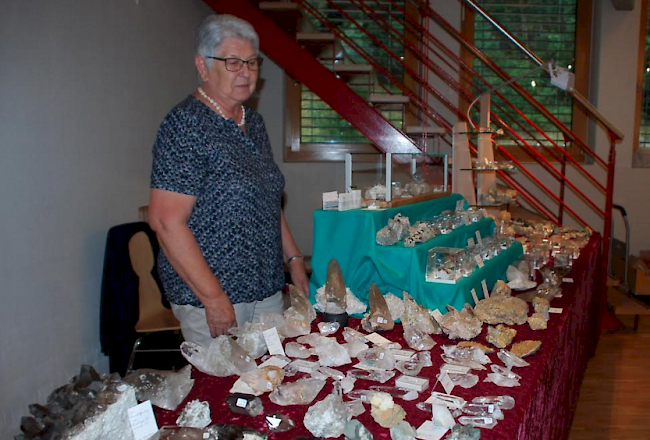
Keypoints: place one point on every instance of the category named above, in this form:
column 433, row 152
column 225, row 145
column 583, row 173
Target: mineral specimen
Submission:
column 379, row 318
column 246, row 404
column 335, row 293
column 224, row 357
column 354, row 430
column 460, row 432
column 500, row 336
column 296, row 350
column 165, row 389
column 461, row 324
column 278, row 422
column 264, row 380
column 541, row 305
column 395, row 305
column 537, row 321
column 525, row 348
column 90, row 404
column 418, row 317
column 196, row 414
column 251, row 338
column 501, row 288
column 403, row 431
column 485, row 348
column 299, row 316
column 328, row 417
column 502, row 309
column 385, row 411
column 235, row 432
column 300, row 392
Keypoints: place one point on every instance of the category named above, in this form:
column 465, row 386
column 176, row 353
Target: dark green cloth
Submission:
column 349, row 236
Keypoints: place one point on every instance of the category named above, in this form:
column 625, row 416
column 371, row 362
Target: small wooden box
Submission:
column 638, row 279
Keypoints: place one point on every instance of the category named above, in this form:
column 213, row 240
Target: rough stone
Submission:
column 501, row 309
column 537, row 321
column 500, row 336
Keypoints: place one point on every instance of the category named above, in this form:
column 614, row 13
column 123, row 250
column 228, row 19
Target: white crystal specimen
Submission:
column 196, row 414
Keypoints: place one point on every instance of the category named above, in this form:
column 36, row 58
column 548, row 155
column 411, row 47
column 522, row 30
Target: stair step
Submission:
column 278, row 6
column 422, row 130
column 352, row 68
column 385, row 98
column 319, row 44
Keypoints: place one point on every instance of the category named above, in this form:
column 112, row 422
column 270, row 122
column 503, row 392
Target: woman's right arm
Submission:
column 169, row 213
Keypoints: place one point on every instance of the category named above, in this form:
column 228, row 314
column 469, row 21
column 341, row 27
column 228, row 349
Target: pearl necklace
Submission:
column 216, row 106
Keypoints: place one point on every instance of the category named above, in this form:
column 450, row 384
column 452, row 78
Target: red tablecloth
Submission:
column 545, row 401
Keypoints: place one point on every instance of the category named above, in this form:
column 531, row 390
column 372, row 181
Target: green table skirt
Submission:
column 349, row 237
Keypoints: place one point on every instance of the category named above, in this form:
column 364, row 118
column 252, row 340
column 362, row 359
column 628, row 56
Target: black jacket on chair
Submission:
column 119, row 303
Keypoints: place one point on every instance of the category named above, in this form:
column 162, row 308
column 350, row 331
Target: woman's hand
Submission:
column 299, row 275
column 220, row 315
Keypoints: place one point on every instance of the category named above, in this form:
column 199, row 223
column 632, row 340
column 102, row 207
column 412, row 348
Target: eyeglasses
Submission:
column 236, row 64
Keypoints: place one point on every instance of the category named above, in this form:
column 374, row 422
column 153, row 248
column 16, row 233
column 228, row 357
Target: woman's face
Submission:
column 230, row 88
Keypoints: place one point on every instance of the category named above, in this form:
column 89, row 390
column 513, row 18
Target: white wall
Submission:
column 83, row 87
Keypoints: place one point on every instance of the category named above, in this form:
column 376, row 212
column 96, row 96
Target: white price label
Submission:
column 479, row 261
column 241, row 403
column 446, row 381
column 555, row 310
column 478, row 238
column 474, row 296
column 485, row 289
column 567, row 280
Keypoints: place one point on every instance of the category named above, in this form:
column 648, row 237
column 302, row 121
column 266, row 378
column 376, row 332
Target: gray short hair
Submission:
column 215, row 28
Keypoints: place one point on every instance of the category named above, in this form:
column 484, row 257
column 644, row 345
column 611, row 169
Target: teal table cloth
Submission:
column 349, row 237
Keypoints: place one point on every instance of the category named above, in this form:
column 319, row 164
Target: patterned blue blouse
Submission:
column 238, row 186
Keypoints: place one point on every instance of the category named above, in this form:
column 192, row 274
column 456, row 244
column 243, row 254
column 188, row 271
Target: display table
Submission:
column 349, row 237
column 545, row 401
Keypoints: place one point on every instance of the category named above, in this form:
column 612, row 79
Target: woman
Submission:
column 215, row 201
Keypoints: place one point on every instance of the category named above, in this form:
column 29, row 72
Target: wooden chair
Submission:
column 153, row 315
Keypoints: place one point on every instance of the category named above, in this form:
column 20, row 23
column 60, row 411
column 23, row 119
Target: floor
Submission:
column 615, row 394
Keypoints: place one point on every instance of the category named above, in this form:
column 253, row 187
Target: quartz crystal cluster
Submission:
column 90, row 402
column 461, row 324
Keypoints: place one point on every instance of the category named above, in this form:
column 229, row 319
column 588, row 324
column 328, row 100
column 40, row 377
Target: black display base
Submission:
column 341, row 318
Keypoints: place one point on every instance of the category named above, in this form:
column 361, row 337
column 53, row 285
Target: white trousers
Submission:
column 194, row 324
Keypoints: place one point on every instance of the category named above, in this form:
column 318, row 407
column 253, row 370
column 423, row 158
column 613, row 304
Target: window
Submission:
column 548, row 29
column 643, row 116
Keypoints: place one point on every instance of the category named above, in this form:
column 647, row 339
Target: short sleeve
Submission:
column 178, row 164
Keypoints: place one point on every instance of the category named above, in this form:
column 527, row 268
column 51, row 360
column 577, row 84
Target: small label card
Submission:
column 378, row 339
column 330, row 200
column 459, row 205
column 143, row 422
column 479, row 261
column 474, row 296
column 436, row 315
column 567, row 280
column 466, row 219
column 485, row 289
column 429, row 431
column 470, row 242
column 446, row 381
column 273, row 342
column 555, row 310
column 273, row 362
column 412, row 383
column 450, row 368
column 478, row 238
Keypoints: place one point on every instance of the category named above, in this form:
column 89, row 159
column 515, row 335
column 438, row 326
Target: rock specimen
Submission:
column 379, row 318
column 196, row 414
column 264, row 380
column 461, row 324
column 278, row 422
column 165, row 389
column 246, row 404
column 460, row 432
column 501, row 288
column 335, row 301
column 537, row 321
column 395, row 305
column 224, row 357
column 501, row 309
column 525, row 348
column 299, row 316
column 403, row 431
column 385, row 411
column 418, row 317
column 328, row 417
column 500, row 336
column 90, row 404
column 354, row 430
column 485, row 348
column 541, row 305
column 300, row 392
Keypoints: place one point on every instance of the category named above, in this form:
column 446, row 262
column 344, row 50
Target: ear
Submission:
column 201, row 67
